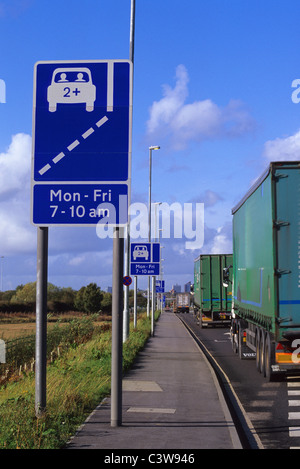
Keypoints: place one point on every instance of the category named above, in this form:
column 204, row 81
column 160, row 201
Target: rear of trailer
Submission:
column 183, row 302
column 212, row 301
column 266, row 271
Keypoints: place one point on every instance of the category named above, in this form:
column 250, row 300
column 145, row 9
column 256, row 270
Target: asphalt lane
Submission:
column 272, row 407
column 171, row 400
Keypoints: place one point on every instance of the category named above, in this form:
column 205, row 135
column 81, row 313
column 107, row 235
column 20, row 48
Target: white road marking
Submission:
column 294, row 415
column 294, row 403
column 134, row 385
column 151, row 410
column 294, row 431
column 293, row 384
column 294, row 393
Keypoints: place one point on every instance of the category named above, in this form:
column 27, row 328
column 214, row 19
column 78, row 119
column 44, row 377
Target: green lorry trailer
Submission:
column 212, row 301
column 266, row 271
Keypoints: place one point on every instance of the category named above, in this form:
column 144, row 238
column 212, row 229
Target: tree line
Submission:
column 88, row 299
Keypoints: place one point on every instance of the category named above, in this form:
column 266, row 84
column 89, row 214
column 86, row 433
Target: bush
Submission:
column 22, row 350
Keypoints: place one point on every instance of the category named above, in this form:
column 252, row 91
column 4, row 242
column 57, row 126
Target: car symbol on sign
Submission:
column 140, row 251
column 71, row 86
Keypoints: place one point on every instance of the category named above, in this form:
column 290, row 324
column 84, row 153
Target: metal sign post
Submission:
column 41, row 321
column 117, row 328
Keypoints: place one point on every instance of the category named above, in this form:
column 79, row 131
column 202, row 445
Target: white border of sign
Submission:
column 128, row 182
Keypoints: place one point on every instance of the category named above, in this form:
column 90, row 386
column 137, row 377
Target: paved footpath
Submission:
column 170, row 400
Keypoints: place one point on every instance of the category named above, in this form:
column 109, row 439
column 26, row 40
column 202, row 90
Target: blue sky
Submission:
column 212, row 87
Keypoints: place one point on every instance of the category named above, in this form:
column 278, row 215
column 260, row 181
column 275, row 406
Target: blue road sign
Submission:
column 81, row 142
column 160, row 286
column 144, row 258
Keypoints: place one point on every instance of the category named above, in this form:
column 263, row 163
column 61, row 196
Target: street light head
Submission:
column 154, row 147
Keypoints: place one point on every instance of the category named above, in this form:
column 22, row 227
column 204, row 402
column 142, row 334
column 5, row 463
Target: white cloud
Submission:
column 77, row 260
column 14, row 8
column 163, row 111
column 15, row 165
column 283, row 149
column 209, row 198
column 197, row 121
column 222, row 242
column 16, row 233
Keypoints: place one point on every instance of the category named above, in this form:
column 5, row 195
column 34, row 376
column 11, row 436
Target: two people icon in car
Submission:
column 71, row 86
column 140, row 252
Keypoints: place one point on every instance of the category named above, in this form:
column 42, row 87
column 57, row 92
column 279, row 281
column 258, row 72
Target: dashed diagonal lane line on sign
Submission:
column 58, row 157
column 44, row 169
column 88, row 133
column 73, row 145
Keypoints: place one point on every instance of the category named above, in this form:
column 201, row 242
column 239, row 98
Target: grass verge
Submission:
column 76, row 383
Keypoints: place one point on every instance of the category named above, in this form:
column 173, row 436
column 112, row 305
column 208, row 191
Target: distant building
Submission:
column 187, row 287
column 176, row 288
column 109, row 290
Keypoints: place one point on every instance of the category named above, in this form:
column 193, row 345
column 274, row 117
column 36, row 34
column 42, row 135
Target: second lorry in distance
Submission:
column 182, row 303
column 212, row 301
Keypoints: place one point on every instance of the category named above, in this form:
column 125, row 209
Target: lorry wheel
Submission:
column 258, row 349
column 233, row 342
column 269, row 360
column 262, row 353
column 233, row 336
column 240, row 340
column 267, row 353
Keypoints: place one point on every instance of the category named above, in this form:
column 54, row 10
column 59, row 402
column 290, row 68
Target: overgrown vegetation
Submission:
column 77, row 381
column 20, row 352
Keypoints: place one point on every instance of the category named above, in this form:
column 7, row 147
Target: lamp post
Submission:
column 161, row 271
column 2, row 257
column 153, row 147
column 153, row 299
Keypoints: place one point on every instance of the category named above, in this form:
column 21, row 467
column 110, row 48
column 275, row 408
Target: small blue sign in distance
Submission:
column 160, row 286
column 145, row 259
